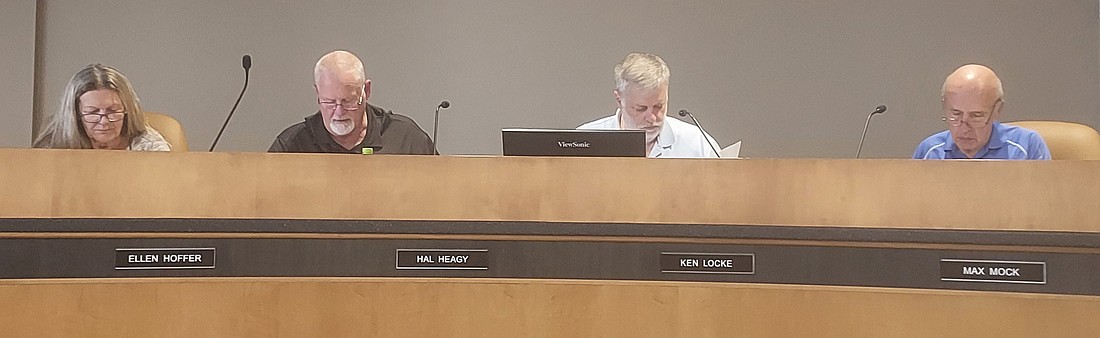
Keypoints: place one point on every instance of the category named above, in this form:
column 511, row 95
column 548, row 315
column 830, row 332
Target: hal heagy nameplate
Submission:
column 991, row 271
column 716, row 263
column 164, row 258
column 442, row 259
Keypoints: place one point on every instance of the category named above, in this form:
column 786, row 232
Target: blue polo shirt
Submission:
column 1005, row 143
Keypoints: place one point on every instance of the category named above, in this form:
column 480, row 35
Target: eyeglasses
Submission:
column 330, row 106
column 973, row 119
column 95, row 118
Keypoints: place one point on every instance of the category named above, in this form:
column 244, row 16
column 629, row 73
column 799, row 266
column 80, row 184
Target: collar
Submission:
column 618, row 117
column 664, row 140
column 996, row 140
column 376, row 123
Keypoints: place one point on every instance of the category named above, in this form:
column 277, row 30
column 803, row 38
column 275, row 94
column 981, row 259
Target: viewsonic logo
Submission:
column 574, row 144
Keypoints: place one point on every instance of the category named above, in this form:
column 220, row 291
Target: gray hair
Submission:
column 641, row 69
column 64, row 128
column 340, row 61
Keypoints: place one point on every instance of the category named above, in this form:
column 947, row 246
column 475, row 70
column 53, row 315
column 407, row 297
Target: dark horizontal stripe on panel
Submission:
column 748, row 231
column 35, row 258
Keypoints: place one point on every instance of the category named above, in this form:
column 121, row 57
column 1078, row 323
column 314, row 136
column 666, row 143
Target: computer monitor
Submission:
column 569, row 142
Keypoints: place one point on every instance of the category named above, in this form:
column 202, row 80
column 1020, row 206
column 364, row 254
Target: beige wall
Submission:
column 791, row 79
column 17, row 74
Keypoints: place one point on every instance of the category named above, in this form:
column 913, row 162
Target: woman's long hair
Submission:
column 65, row 128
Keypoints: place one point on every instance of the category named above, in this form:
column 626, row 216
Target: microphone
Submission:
column 435, row 128
column 246, row 62
column 684, row 112
column 881, row 109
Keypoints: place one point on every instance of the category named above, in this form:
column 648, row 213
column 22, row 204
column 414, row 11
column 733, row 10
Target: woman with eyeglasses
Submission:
column 99, row 110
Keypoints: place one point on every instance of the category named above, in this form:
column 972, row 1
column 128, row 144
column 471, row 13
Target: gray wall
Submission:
column 792, row 79
column 17, row 74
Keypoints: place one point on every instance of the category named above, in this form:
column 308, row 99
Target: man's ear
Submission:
column 997, row 106
column 366, row 90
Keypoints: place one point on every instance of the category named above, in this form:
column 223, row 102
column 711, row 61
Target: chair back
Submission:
column 1066, row 140
column 168, row 127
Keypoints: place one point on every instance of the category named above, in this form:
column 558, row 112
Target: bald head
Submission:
column 974, row 79
column 340, row 64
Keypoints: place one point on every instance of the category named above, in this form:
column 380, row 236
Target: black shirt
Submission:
column 387, row 133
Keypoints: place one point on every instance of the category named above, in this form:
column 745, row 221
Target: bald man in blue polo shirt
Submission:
column 972, row 102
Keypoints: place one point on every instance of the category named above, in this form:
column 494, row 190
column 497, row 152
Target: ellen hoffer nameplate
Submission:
column 989, row 271
column 712, row 263
column 442, row 259
column 164, row 258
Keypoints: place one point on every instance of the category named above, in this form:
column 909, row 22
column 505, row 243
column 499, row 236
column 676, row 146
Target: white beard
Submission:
column 341, row 128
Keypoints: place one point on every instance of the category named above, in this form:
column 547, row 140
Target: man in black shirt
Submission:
column 346, row 123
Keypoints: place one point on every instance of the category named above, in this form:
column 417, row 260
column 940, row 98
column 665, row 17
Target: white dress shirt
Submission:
column 678, row 139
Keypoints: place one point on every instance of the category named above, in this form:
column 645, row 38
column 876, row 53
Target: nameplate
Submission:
column 986, row 271
column 164, row 258
column 442, row 259
column 714, row 263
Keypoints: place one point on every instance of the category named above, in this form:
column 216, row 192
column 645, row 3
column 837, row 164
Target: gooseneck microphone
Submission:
column 684, row 112
column 881, row 109
column 435, row 127
column 246, row 62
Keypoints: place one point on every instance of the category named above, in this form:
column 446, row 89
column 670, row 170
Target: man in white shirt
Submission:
column 641, row 93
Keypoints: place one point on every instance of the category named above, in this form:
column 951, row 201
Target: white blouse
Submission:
column 150, row 140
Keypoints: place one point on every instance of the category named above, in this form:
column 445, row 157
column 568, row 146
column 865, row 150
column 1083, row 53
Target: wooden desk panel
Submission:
column 1051, row 195
column 382, row 307
column 1049, row 209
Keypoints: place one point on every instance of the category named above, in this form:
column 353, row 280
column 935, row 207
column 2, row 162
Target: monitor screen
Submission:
column 569, row 142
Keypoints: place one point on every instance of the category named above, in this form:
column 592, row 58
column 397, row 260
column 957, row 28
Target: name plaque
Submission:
column 992, row 271
column 714, row 263
column 164, row 258
column 442, row 259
